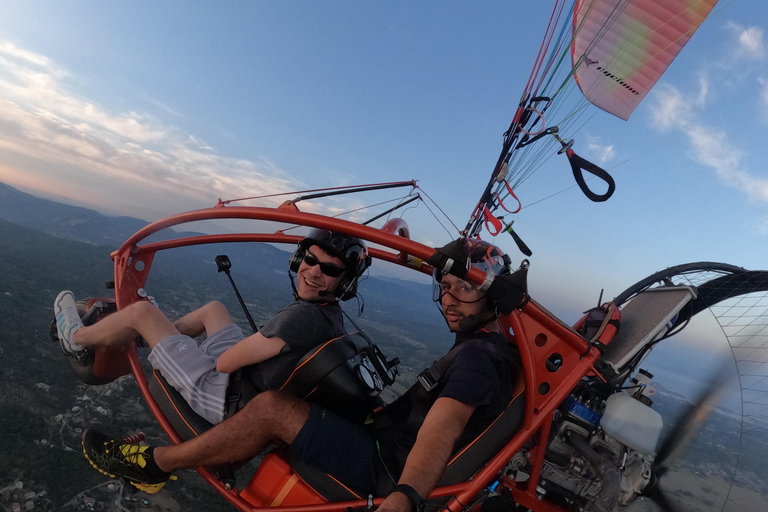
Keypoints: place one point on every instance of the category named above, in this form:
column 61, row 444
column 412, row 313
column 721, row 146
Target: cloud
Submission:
column 605, row 153
column 670, row 109
column 47, row 129
column 749, row 41
column 710, row 147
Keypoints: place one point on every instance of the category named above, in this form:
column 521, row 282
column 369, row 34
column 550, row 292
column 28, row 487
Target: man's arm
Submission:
column 434, row 445
column 253, row 349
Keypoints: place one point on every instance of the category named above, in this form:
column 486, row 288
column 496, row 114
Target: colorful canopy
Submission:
column 621, row 48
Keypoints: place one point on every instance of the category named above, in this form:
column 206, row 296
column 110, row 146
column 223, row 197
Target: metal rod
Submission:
column 417, row 196
column 242, row 303
column 360, row 189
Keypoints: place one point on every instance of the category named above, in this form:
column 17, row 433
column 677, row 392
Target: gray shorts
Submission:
column 191, row 369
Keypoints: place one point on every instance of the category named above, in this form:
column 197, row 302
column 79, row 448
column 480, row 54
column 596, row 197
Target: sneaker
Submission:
column 126, row 459
column 67, row 322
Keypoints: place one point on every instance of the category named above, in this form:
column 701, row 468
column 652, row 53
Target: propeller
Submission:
column 678, row 441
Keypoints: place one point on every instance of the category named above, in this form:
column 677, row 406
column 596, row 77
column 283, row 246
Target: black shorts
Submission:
column 338, row 447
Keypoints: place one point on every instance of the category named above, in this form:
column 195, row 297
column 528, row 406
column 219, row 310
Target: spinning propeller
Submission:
column 680, row 438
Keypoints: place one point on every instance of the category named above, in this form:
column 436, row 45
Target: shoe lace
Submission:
column 128, row 454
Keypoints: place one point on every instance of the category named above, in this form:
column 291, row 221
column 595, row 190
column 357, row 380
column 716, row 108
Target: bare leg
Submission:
column 207, row 319
column 139, row 319
column 271, row 415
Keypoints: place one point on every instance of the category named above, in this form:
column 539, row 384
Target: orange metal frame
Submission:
column 539, row 335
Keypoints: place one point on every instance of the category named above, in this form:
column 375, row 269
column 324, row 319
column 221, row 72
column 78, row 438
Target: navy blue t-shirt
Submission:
column 477, row 375
column 480, row 377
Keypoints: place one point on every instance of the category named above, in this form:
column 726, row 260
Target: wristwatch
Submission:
column 410, row 493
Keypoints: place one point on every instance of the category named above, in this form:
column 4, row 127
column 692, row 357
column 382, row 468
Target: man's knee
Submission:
column 214, row 311
column 267, row 404
column 284, row 414
column 140, row 311
column 214, row 305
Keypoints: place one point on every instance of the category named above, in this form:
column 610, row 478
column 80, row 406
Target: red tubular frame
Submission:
column 539, row 335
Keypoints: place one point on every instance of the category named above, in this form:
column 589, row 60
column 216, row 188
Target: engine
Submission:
column 600, row 449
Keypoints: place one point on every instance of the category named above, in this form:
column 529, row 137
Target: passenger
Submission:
column 327, row 266
column 453, row 402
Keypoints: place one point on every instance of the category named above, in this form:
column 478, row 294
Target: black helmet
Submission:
column 349, row 249
column 482, row 255
column 488, row 258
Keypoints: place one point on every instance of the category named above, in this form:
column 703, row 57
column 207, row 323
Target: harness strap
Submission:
column 415, row 403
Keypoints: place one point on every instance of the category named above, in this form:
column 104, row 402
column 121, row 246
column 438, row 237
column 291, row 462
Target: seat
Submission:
column 186, row 422
column 338, row 374
column 344, row 375
column 464, row 463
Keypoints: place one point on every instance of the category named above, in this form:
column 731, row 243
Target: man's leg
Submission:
column 139, row 319
column 268, row 416
column 208, row 319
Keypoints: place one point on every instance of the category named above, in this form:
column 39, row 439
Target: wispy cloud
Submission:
column 604, row 152
column 670, row 109
column 44, row 125
column 751, row 42
column 710, row 147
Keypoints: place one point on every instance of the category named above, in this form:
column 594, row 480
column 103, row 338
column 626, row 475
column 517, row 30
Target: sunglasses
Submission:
column 326, row 268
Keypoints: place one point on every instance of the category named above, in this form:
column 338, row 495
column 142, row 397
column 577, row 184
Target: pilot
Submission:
column 453, row 402
column 227, row 369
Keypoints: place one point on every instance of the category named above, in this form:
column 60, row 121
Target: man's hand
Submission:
column 396, row 502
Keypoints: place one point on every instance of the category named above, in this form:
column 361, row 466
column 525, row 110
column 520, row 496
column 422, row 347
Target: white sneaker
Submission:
column 67, row 322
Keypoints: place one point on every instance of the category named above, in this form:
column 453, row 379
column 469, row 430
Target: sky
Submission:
column 153, row 108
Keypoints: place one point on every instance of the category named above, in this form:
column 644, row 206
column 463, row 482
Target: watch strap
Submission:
column 414, row 497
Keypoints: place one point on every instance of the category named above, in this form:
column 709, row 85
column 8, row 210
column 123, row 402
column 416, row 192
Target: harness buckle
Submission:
column 427, row 381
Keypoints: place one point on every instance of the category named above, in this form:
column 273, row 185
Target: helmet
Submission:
column 482, row 255
column 349, row 249
column 488, row 258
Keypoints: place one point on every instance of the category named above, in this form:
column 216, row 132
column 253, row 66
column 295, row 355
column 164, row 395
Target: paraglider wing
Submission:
column 622, row 47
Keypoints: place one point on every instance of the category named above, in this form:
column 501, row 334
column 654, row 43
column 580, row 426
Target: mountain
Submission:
column 65, row 221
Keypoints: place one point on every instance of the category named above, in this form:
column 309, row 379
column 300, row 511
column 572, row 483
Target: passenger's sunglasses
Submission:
column 326, row 268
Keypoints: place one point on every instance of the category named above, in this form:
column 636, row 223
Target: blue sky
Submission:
column 153, row 108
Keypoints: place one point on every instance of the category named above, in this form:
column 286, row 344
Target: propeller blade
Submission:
column 682, row 434
column 690, row 422
column 654, row 493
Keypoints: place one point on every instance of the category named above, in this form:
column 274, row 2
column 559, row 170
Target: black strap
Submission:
column 578, row 164
column 436, row 371
column 414, row 497
column 234, row 393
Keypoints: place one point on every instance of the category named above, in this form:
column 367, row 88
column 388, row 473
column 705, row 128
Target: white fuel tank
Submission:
column 631, row 422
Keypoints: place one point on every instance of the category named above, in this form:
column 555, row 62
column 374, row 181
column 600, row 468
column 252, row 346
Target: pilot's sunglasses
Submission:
column 326, row 268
